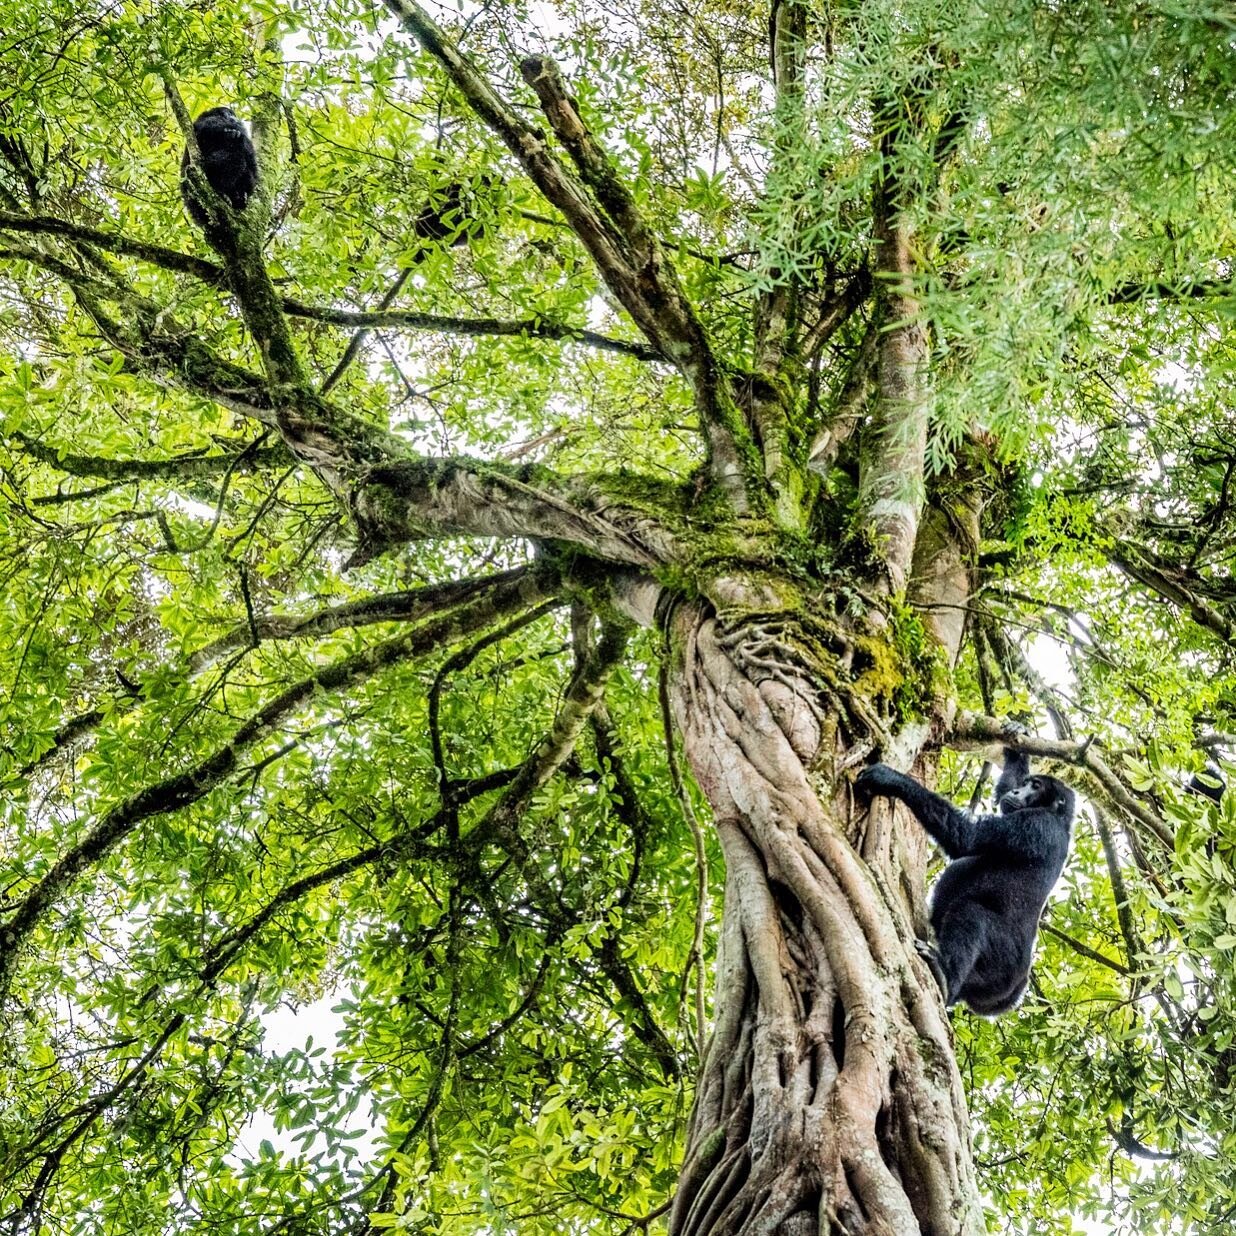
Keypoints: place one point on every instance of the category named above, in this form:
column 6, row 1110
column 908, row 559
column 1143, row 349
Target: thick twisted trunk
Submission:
column 829, row 1100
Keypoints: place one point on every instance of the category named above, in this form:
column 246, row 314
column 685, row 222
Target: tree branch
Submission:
column 1135, row 563
column 403, row 501
column 1184, row 289
column 974, row 729
column 393, row 496
column 214, row 275
column 627, row 254
column 837, row 311
column 182, row 789
column 184, row 467
column 535, row 328
column 500, row 826
column 117, row 242
column 408, row 606
column 1084, row 950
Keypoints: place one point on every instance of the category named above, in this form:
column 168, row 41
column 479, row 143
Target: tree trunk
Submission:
column 829, row 1100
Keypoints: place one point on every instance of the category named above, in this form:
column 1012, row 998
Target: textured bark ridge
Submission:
column 828, row 1100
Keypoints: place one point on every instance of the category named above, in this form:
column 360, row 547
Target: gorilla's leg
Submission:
column 928, row 952
column 961, row 938
column 1000, row 975
column 990, row 1003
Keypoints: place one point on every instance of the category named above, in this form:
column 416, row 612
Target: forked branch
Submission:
column 627, row 254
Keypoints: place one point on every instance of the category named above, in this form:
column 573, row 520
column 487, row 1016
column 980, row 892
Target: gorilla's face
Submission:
column 219, row 128
column 1041, row 793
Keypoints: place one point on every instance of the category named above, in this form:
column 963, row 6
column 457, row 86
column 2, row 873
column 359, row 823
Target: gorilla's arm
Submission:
column 956, row 832
column 1015, row 771
column 1031, row 833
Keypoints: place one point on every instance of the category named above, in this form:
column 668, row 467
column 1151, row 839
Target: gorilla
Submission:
column 229, row 162
column 985, row 907
column 1209, row 784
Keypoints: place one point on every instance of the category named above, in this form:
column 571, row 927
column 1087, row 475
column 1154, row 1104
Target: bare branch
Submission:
column 408, row 319
column 1084, row 950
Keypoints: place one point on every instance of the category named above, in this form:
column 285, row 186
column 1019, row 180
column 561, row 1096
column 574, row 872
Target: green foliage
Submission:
column 484, row 1057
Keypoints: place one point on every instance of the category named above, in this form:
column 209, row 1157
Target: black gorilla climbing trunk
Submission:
column 986, row 906
column 829, row 1100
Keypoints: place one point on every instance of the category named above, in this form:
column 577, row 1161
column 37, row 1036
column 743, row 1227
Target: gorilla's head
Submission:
column 1042, row 794
column 217, row 127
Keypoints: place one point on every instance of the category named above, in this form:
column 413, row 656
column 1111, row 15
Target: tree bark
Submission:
column 829, row 1100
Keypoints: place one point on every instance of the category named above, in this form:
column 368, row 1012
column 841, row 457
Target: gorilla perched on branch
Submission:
column 985, row 907
column 229, row 162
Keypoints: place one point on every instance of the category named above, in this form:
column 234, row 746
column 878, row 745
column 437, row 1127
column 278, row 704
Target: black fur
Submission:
column 1210, row 784
column 229, row 162
column 444, row 216
column 985, row 907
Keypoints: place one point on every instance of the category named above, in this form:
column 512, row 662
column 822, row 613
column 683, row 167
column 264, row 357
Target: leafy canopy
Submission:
column 300, row 760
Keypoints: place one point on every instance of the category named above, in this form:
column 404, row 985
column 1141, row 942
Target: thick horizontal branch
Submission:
column 183, row 467
column 410, row 605
column 183, row 789
column 116, row 242
column 976, row 729
column 393, row 495
column 406, row 501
